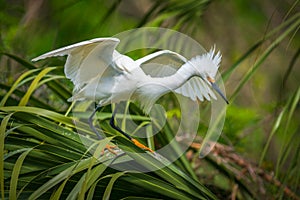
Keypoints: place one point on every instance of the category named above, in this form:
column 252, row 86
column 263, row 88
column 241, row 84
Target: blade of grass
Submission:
column 3, row 126
column 34, row 84
column 51, row 78
column 92, row 178
column 15, row 174
column 41, row 112
column 274, row 129
column 80, row 126
column 106, row 195
column 15, row 85
column 228, row 72
column 53, row 85
column 23, row 62
column 77, row 167
column 282, row 157
column 84, row 182
column 57, row 194
column 169, row 172
column 74, row 169
column 19, row 94
column 60, row 90
column 155, row 185
column 262, row 58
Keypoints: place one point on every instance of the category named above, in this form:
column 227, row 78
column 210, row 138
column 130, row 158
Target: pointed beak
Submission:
column 217, row 89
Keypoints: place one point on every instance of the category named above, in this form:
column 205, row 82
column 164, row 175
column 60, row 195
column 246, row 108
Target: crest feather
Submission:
column 207, row 63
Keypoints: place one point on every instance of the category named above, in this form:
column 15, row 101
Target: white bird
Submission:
column 100, row 73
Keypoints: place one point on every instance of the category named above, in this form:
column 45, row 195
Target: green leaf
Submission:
column 91, row 175
column 56, row 195
column 155, row 185
column 284, row 150
column 34, row 85
column 109, row 187
column 15, row 85
column 91, row 179
column 265, row 55
column 274, row 129
column 15, row 174
column 3, row 126
column 70, row 171
column 169, row 172
column 23, row 62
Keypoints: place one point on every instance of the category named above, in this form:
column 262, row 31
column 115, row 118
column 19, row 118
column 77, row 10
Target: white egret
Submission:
column 102, row 74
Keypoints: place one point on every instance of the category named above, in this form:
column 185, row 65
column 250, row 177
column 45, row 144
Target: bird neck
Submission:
column 153, row 87
column 178, row 79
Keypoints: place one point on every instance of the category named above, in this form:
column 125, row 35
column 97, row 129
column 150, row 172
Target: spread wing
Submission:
column 86, row 59
column 165, row 63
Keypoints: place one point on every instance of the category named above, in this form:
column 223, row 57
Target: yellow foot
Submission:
column 109, row 148
column 140, row 145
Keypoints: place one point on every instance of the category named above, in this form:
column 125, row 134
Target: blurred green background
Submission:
column 260, row 46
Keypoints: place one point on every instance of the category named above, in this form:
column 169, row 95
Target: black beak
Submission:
column 217, row 89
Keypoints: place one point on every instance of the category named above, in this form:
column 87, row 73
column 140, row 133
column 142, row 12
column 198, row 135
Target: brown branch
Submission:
column 226, row 155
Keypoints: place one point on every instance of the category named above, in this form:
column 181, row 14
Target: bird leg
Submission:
column 91, row 122
column 108, row 147
column 137, row 143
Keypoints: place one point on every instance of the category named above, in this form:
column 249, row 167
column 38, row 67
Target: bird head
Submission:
column 207, row 66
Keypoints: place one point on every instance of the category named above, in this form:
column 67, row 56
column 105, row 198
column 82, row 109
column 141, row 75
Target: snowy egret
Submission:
column 102, row 74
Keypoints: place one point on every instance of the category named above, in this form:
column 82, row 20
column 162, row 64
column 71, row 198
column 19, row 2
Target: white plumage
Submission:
column 102, row 74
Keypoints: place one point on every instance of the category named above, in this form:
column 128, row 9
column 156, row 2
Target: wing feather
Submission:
column 162, row 57
column 86, row 59
column 66, row 50
column 165, row 63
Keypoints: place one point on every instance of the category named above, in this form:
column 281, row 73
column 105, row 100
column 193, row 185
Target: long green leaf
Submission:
column 75, row 168
column 23, row 62
column 41, row 112
column 91, row 179
column 263, row 57
column 283, row 25
column 109, row 187
column 85, row 181
column 57, row 194
column 282, row 154
column 15, row 174
column 34, row 85
column 169, row 173
column 15, row 85
column 19, row 94
column 274, row 129
column 156, row 185
column 3, row 126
